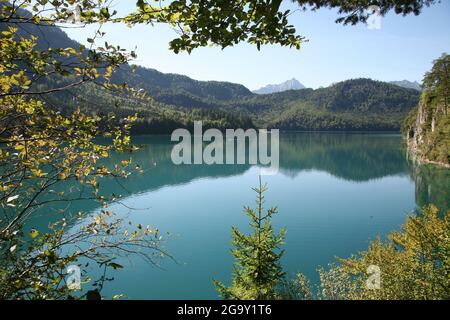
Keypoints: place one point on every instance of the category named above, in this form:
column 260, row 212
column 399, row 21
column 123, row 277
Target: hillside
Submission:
column 359, row 104
column 427, row 128
column 156, row 83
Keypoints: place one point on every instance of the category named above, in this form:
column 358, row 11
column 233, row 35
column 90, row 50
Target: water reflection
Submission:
column 432, row 185
column 334, row 193
column 352, row 157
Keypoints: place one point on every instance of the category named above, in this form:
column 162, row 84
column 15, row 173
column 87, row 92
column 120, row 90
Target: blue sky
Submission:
column 403, row 48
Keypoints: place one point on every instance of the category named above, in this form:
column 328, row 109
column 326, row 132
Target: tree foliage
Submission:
column 38, row 268
column 45, row 142
column 40, row 148
column 414, row 264
column 359, row 104
column 257, row 269
column 222, row 23
column 356, row 11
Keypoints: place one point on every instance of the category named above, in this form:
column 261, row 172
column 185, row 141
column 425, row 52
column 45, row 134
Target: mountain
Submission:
column 359, row 104
column 292, row 84
column 157, row 84
column 408, row 84
column 177, row 102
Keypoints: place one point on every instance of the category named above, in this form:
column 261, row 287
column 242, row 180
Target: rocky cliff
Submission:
column 427, row 128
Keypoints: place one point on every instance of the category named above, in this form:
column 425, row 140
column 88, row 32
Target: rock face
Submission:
column 427, row 132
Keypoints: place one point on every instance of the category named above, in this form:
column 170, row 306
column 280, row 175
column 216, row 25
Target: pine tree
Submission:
column 257, row 269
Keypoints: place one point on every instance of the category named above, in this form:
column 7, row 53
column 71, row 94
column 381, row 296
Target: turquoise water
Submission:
column 335, row 192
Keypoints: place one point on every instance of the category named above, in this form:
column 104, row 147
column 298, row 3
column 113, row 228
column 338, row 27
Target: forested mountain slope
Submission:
column 359, row 104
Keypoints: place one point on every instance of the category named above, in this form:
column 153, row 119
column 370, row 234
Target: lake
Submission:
column 334, row 191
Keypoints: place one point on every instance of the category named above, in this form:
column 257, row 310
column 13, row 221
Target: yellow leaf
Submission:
column 34, row 233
